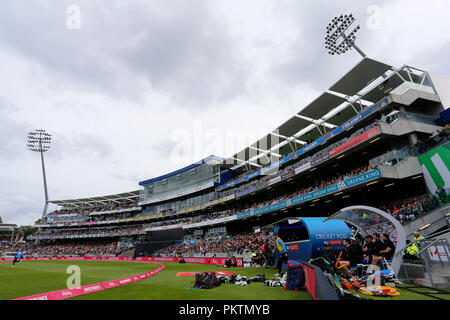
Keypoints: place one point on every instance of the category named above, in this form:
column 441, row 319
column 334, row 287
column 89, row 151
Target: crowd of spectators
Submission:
column 256, row 205
column 411, row 209
column 402, row 211
column 439, row 137
column 97, row 248
column 290, row 168
column 320, row 184
column 239, row 244
column 90, row 210
column 54, row 233
column 86, row 215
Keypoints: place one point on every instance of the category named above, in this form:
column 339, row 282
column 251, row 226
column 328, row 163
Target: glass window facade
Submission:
column 182, row 182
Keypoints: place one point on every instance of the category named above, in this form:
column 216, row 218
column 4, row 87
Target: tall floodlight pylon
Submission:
column 340, row 36
column 39, row 141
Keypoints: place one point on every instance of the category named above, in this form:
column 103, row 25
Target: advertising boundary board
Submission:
column 214, row 261
column 316, row 284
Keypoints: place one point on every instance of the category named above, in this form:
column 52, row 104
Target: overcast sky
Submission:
column 127, row 89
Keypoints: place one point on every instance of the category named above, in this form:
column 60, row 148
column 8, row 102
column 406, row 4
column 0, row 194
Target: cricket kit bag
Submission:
column 295, row 276
column 259, row 278
column 206, row 280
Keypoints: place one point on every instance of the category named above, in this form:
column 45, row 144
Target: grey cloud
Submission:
column 80, row 144
column 180, row 49
column 20, row 209
column 12, row 134
column 432, row 60
column 132, row 177
column 308, row 62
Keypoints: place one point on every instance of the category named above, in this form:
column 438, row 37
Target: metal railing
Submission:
column 394, row 157
column 432, row 252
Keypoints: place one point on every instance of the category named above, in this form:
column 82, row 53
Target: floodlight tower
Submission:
column 39, row 141
column 339, row 38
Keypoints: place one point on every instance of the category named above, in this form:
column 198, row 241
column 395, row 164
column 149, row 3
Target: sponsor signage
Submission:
column 173, row 226
column 274, row 180
column 374, row 174
column 303, row 167
column 115, row 211
column 335, row 242
column 322, row 158
column 210, row 222
column 361, row 138
column 243, row 215
column 346, row 125
column 272, row 207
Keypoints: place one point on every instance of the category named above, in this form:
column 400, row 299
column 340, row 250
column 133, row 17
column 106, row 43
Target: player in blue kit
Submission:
column 16, row 257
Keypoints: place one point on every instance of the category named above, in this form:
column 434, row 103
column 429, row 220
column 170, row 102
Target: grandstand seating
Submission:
column 314, row 179
column 91, row 248
column 404, row 210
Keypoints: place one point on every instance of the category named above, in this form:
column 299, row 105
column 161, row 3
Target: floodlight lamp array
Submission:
column 39, row 140
column 336, row 30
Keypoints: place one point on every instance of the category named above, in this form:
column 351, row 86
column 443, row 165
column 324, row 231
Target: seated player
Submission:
column 329, row 253
column 233, row 262
column 387, row 252
column 350, row 258
column 368, row 249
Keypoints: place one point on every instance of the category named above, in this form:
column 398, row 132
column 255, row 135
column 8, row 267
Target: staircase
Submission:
column 440, row 277
column 128, row 253
column 415, row 273
column 436, row 219
column 433, row 268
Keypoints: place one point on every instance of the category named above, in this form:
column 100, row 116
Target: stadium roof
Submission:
column 342, row 116
column 211, row 159
column 321, row 106
column 5, row 227
column 132, row 196
column 360, row 76
column 332, row 108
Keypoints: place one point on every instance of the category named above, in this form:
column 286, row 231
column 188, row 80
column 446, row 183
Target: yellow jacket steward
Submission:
column 413, row 249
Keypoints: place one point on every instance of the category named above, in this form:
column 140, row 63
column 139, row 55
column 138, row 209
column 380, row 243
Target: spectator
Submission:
column 442, row 194
column 387, row 251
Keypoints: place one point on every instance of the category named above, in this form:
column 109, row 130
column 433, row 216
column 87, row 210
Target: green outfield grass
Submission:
column 167, row 286
column 34, row 277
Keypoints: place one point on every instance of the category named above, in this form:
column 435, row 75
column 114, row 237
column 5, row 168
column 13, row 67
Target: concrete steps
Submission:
column 439, row 282
column 128, row 253
column 436, row 219
column 415, row 273
column 411, row 271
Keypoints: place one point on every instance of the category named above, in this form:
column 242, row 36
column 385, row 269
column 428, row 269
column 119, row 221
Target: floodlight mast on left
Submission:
column 39, row 141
